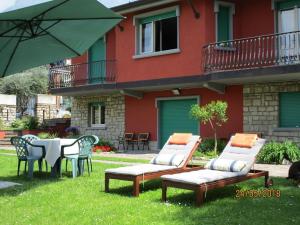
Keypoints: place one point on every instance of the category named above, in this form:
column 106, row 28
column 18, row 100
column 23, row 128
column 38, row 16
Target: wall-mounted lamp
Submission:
column 176, row 91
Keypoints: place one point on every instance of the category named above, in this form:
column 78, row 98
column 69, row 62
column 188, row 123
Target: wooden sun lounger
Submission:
column 200, row 189
column 136, row 179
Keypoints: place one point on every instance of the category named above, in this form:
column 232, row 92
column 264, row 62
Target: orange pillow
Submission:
column 180, row 139
column 244, row 140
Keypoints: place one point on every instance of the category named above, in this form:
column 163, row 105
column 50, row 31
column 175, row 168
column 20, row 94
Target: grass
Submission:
column 98, row 157
column 83, row 201
column 7, row 151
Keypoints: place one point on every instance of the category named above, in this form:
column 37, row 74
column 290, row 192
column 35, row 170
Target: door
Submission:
column 174, row 118
column 97, row 63
column 289, row 21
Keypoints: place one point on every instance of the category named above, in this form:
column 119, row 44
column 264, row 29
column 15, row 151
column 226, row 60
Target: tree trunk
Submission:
column 215, row 136
column 216, row 142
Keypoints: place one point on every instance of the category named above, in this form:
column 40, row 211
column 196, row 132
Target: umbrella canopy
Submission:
column 50, row 31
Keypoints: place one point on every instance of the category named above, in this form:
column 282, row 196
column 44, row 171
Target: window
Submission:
column 289, row 105
column 96, row 115
column 224, row 20
column 158, row 32
column 288, row 20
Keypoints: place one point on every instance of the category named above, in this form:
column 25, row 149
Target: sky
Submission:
column 7, row 4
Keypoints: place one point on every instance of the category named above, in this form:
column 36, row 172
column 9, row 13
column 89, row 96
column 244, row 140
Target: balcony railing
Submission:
column 98, row 72
column 253, row 52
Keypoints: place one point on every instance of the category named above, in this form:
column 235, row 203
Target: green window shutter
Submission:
column 223, row 23
column 289, row 109
column 162, row 16
column 287, row 4
column 96, row 104
column 97, row 65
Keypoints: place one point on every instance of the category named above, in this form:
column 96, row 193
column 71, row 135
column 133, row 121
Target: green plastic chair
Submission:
column 30, row 137
column 85, row 144
column 23, row 155
column 91, row 155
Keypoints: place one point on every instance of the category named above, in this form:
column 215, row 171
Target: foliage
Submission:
column 206, row 155
column 26, row 123
column 46, row 135
column 30, row 122
column 66, row 116
column 214, row 113
column 104, row 145
column 275, row 152
column 17, row 124
column 25, row 85
column 207, row 145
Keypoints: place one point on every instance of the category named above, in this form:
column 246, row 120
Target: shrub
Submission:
column 17, row 124
column 66, row 116
column 27, row 123
column 45, row 135
column 104, row 145
column 275, row 152
column 30, row 123
column 207, row 145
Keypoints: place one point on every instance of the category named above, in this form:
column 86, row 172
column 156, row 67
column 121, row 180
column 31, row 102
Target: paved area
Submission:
column 130, row 154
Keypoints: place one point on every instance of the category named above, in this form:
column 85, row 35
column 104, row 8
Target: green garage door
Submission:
column 174, row 118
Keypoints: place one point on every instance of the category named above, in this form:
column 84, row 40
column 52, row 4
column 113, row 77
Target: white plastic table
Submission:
column 53, row 148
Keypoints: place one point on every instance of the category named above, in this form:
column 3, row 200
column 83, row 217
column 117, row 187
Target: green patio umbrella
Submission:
column 49, row 31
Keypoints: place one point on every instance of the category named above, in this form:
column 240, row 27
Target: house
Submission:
column 169, row 54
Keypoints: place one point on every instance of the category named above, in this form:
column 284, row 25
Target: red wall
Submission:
column 252, row 17
column 188, row 62
column 141, row 115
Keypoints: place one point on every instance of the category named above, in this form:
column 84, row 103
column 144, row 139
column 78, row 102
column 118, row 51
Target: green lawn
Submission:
column 98, row 157
column 82, row 200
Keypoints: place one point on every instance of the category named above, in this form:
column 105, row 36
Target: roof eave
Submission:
column 140, row 5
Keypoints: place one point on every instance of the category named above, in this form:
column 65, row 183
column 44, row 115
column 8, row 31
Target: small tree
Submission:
column 213, row 113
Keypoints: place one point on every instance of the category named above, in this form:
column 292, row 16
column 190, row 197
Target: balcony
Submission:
column 98, row 72
column 254, row 52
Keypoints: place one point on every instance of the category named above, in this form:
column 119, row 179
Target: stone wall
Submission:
column 45, row 111
column 46, row 107
column 261, row 110
column 7, row 108
column 114, row 116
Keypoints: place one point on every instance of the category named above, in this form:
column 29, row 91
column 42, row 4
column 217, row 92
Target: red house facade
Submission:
column 167, row 55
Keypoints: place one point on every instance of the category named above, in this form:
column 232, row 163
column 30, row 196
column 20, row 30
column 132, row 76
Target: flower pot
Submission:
column 2, row 134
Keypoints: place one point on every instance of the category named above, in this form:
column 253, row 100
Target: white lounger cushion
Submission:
column 247, row 155
column 183, row 150
column 200, row 176
column 225, row 165
column 180, row 152
column 139, row 169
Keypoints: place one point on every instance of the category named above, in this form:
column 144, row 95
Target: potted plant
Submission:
column 103, row 146
column 2, row 133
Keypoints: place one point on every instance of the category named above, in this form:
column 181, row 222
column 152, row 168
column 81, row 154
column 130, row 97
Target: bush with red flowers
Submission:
column 103, row 146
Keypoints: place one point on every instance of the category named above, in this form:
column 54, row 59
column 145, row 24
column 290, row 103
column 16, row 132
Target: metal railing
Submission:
column 253, row 52
column 98, row 72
